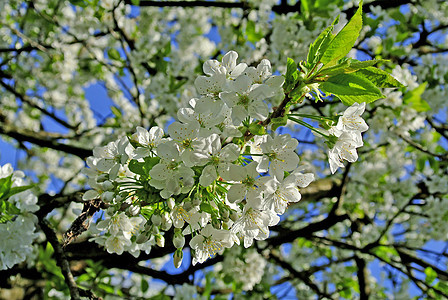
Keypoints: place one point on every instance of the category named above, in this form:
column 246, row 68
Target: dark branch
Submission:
column 38, row 139
column 61, row 260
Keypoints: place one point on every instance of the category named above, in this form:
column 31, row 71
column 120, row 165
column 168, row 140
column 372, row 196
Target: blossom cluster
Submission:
column 17, row 230
column 208, row 175
column 348, row 132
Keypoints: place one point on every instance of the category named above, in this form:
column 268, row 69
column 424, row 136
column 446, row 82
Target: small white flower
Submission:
column 227, row 67
column 207, row 243
column 351, row 119
column 149, row 140
column 218, row 160
column 245, row 99
column 345, row 148
column 278, row 155
column 245, row 186
column 254, row 224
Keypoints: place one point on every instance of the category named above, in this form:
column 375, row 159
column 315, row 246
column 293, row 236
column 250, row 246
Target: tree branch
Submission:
column 61, row 260
column 41, row 139
column 303, row 276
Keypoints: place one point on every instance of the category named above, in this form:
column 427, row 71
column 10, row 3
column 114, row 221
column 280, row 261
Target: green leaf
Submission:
column 415, row 100
column 137, row 167
column 5, row 186
column 318, row 47
column 206, row 207
column 291, row 76
column 379, row 77
column 305, row 8
column 144, row 285
column 443, row 286
column 350, row 88
column 278, row 122
column 343, row 42
column 116, row 111
column 253, row 36
column 385, row 252
column 18, row 189
column 150, row 162
column 228, row 279
column 81, row 3
column 7, row 211
column 113, row 54
column 349, row 66
column 257, row 129
column 135, row 2
column 431, row 275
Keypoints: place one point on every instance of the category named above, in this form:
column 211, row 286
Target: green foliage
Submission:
column 350, row 80
column 291, row 76
column 7, row 209
column 431, row 275
column 349, row 65
column 350, row 88
column 252, row 34
column 414, row 98
column 114, row 54
column 48, row 264
column 320, row 45
column 378, row 77
column 143, row 168
column 257, row 129
column 342, row 43
column 278, row 122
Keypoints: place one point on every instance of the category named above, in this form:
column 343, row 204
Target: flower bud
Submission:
column 225, row 225
column 166, row 222
column 225, row 214
column 177, row 257
column 160, row 240
column 179, row 241
column 188, row 206
column 156, row 220
column 216, row 224
column 134, row 210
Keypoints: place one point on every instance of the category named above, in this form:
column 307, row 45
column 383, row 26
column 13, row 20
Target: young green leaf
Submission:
column 257, row 129
column 291, row 76
column 343, row 42
column 350, row 88
column 18, row 189
column 379, row 77
column 253, row 35
column 318, row 47
column 277, row 122
column 414, row 98
column 349, row 66
column 431, row 275
column 113, row 54
column 5, row 186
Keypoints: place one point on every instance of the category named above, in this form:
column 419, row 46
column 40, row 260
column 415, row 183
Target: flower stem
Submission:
column 307, row 125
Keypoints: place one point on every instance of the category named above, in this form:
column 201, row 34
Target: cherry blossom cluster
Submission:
column 208, row 176
column 348, row 132
column 17, row 233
